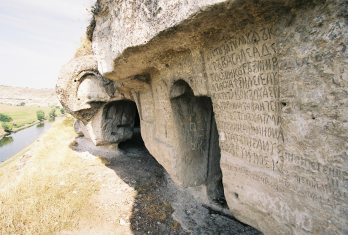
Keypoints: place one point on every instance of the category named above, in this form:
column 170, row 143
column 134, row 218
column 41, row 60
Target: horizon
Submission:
column 38, row 38
column 27, row 87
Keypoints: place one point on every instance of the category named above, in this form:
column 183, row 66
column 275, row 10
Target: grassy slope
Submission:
column 52, row 190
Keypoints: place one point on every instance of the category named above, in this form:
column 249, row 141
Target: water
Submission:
column 15, row 142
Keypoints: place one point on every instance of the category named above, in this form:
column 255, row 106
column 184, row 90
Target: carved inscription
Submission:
column 244, row 78
column 329, row 193
column 333, row 180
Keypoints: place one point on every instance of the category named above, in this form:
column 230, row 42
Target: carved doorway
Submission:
column 199, row 151
column 135, row 140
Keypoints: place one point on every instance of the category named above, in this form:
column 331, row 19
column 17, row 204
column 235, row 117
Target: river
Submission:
column 15, row 142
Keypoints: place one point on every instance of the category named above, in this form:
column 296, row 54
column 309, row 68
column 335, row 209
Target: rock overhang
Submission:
column 275, row 72
column 198, row 25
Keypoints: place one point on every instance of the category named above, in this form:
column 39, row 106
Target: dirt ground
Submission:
column 137, row 196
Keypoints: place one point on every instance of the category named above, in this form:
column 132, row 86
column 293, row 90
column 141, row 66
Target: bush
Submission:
column 7, row 126
column 22, row 104
column 53, row 113
column 40, row 115
column 5, row 118
column 84, row 49
column 62, row 110
column 96, row 10
column 69, row 121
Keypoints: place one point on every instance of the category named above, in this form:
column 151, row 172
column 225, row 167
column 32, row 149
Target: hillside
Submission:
column 30, row 96
column 63, row 184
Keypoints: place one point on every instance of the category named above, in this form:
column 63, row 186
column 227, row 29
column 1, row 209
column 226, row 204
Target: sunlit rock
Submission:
column 103, row 114
column 245, row 98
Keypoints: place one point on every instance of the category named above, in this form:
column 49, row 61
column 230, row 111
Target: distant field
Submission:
column 22, row 115
column 29, row 96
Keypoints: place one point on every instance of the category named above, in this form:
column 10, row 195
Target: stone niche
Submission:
column 248, row 98
column 103, row 114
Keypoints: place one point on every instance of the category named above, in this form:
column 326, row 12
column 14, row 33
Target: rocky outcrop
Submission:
column 248, row 98
column 103, row 115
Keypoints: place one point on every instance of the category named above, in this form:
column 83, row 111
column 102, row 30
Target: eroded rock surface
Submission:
column 103, row 114
column 248, row 98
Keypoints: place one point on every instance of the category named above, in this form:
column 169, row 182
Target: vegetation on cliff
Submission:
column 84, row 49
column 95, row 10
column 86, row 42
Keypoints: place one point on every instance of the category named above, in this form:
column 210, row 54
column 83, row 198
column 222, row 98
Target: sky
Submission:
column 37, row 37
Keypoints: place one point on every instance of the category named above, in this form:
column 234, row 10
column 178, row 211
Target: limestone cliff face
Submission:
column 124, row 24
column 248, row 98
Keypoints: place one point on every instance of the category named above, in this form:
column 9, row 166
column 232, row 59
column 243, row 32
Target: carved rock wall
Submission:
column 104, row 115
column 253, row 92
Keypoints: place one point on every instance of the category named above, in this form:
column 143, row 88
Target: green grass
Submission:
column 22, row 115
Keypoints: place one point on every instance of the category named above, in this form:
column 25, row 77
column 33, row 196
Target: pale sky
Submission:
column 37, row 37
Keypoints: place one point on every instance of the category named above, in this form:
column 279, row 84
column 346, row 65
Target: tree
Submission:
column 5, row 118
column 7, row 126
column 40, row 115
column 53, row 113
column 22, row 104
column 5, row 140
column 62, row 110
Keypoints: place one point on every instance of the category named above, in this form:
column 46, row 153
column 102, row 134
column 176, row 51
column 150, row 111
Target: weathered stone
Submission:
column 250, row 92
column 104, row 115
column 78, row 127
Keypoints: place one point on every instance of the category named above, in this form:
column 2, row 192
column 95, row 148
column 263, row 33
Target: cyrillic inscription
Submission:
column 244, row 78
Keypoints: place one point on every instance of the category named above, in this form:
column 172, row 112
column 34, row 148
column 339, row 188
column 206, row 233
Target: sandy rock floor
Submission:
column 137, row 196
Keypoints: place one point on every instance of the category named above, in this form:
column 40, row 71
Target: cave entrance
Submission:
column 136, row 139
column 199, row 141
column 119, row 118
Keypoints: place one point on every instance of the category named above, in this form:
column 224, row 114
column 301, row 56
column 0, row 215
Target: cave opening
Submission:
column 119, row 118
column 136, row 139
column 199, row 141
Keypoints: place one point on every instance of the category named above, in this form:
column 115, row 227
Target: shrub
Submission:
column 5, row 118
column 84, row 49
column 62, row 110
column 7, row 126
column 90, row 29
column 96, row 10
column 53, row 113
column 69, row 121
column 22, row 104
column 40, row 115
